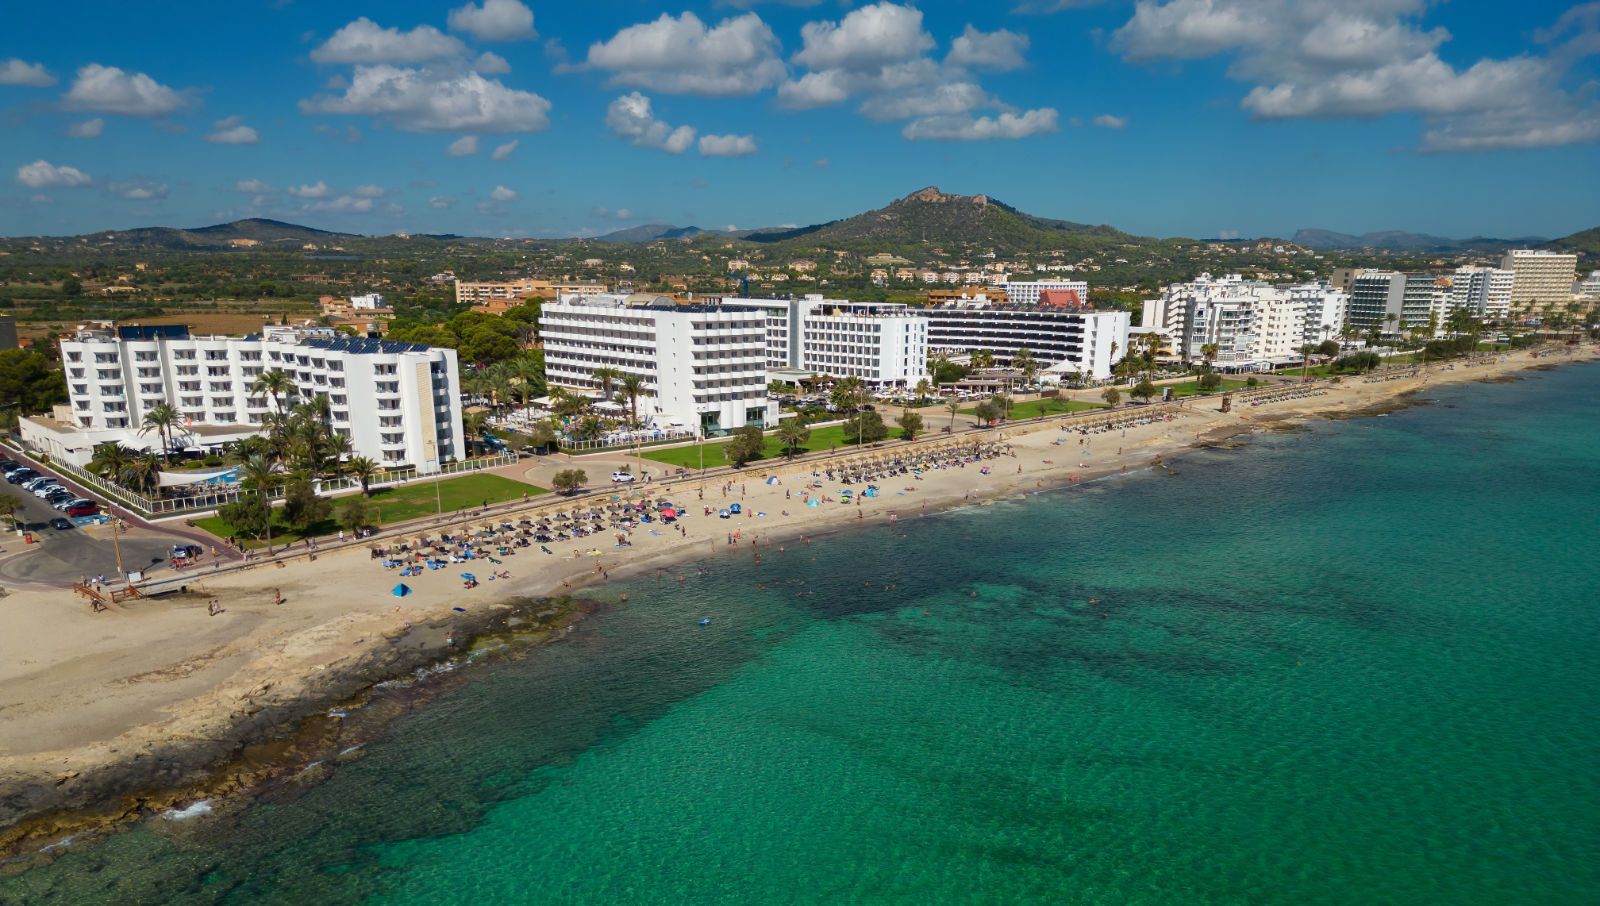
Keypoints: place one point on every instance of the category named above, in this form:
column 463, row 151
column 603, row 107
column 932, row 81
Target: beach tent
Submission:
column 772, row 479
column 402, row 590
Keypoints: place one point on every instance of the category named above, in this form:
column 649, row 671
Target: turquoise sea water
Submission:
column 1356, row 663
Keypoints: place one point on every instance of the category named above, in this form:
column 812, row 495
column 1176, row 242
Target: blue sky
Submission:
column 508, row 118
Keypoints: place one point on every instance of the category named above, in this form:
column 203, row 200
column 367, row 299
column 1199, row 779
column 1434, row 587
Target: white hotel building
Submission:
column 885, row 345
column 1027, row 292
column 704, row 366
column 1062, row 341
column 1253, row 325
column 399, row 403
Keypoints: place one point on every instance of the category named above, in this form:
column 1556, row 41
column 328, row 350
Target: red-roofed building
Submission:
column 1069, row 299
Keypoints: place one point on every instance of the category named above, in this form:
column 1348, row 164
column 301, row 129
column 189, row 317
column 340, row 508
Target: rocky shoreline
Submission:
column 273, row 743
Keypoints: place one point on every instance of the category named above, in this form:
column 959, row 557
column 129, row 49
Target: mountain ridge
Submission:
column 1404, row 241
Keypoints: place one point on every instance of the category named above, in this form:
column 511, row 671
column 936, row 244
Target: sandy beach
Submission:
column 107, row 716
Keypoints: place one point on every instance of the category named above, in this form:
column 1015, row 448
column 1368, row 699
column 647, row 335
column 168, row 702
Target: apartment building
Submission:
column 399, row 403
column 486, row 291
column 1484, row 291
column 1376, row 299
column 1251, row 323
column 1027, row 292
column 1326, row 308
column 1062, row 341
column 1541, row 281
column 704, row 366
column 1588, row 290
column 885, row 345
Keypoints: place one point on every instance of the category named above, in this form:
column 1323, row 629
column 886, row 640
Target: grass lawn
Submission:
column 1036, row 408
column 824, row 438
column 1192, row 388
column 401, row 503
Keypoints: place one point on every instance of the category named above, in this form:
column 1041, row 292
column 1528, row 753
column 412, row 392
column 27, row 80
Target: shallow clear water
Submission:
column 1355, row 663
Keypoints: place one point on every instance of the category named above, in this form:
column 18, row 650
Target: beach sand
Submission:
column 106, row 715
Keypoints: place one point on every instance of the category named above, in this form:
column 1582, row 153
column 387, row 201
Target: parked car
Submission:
column 83, row 508
column 60, row 496
column 68, row 502
column 60, row 524
column 622, row 476
column 45, row 490
column 21, row 475
column 34, row 482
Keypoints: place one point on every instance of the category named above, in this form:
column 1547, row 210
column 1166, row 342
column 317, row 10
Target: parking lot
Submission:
column 62, row 556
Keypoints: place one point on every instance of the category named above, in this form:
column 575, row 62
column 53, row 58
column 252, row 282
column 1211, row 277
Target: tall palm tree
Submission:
column 277, row 385
column 143, row 474
column 1023, row 359
column 161, row 418
column 110, row 461
column 607, row 376
column 793, row 434
column 259, row 473
column 530, row 377
column 981, row 359
column 632, row 387
column 924, row 389
column 363, row 470
column 955, row 409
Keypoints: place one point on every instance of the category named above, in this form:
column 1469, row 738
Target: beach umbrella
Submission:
column 469, row 577
column 669, row 511
column 402, row 590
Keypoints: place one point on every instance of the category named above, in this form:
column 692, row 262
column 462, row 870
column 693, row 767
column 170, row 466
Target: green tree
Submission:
column 1208, row 382
column 866, row 427
column 356, row 513
column 111, row 460
column 1023, row 359
column 8, row 510
column 632, row 386
column 363, row 470
column 607, row 377
column 987, row 412
column 568, row 481
column 29, row 380
column 303, row 507
column 848, row 394
column 910, row 424
column 954, row 407
column 143, row 474
column 1143, row 390
column 794, row 435
column 246, row 516
column 161, row 418
column 276, row 385
column 259, row 475
column 747, row 444
column 1112, row 396
column 71, row 286
column 1328, row 348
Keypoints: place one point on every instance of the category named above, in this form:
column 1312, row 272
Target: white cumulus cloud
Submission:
column 369, row 191
column 21, row 72
column 365, row 41
column 491, row 64
column 682, row 56
column 1110, row 122
column 630, row 117
column 997, row 51
column 139, row 190
column 984, row 128
column 107, row 89
column 871, row 36
column 44, row 175
column 1371, row 58
column 318, row 189
column 251, row 187
column 87, row 129
column 343, row 204
column 232, row 131
column 427, row 100
column 935, row 100
column 494, row 20
column 464, row 146
column 501, row 193
column 440, row 202
column 727, row 145
column 501, row 152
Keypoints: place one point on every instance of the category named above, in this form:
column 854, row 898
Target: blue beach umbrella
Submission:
column 402, row 590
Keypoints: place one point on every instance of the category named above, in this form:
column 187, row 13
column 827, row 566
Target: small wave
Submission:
column 355, row 748
column 338, row 712
column 203, row 807
column 59, row 844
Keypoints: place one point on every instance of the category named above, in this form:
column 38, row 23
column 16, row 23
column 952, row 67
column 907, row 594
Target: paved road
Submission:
column 60, row 557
